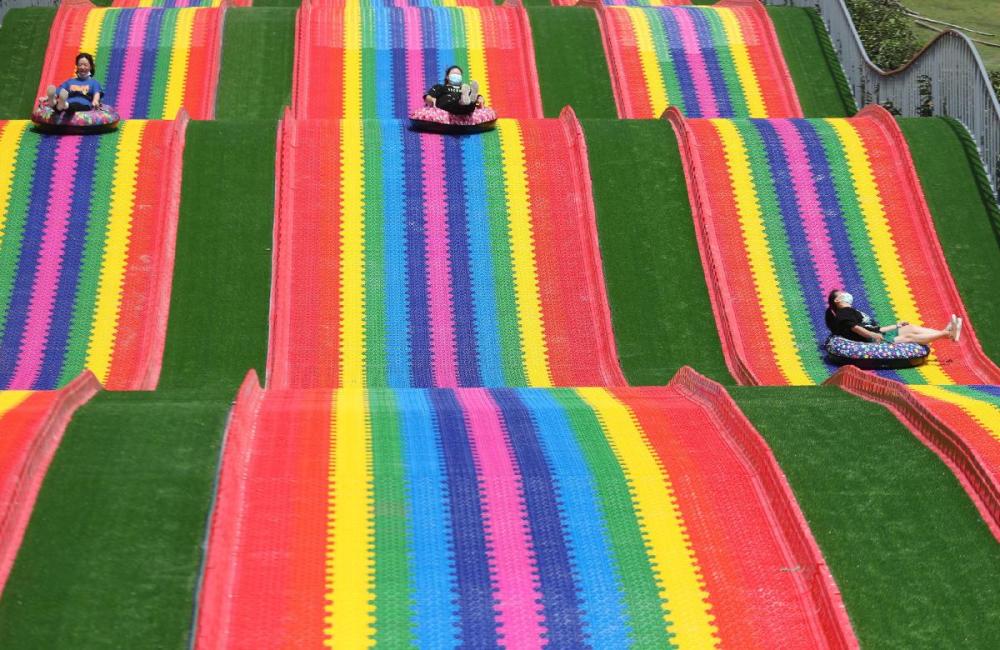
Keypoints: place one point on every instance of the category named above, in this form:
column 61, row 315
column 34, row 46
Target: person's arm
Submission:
column 97, row 100
column 868, row 334
column 892, row 328
column 430, row 98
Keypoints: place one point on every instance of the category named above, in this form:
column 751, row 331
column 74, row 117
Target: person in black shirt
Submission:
column 454, row 96
column 844, row 320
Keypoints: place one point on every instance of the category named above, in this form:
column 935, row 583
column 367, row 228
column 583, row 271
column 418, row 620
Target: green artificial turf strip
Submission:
column 112, row 553
column 962, row 222
column 659, row 301
column 915, row 563
column 811, row 66
column 258, row 50
column 572, row 68
column 219, row 300
column 23, row 39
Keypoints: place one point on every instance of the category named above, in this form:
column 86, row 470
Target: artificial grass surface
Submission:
column 113, row 552
column 811, row 67
column 569, row 56
column 258, row 51
column 962, row 222
column 23, row 39
column 659, row 301
column 915, row 563
column 222, row 271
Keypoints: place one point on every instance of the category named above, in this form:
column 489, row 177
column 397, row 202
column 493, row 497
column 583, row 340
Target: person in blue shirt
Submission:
column 79, row 93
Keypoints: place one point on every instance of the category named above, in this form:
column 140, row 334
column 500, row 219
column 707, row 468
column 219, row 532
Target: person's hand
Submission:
column 901, row 323
column 428, row 101
column 877, row 338
column 480, row 102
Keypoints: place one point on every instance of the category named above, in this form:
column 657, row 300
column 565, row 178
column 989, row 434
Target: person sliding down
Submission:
column 454, row 96
column 844, row 320
column 79, row 93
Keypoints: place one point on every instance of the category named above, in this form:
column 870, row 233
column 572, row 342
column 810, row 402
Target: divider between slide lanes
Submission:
column 406, row 259
column 87, row 226
column 372, row 62
column 32, row 424
column 468, row 516
column 787, row 210
column 152, row 62
column 718, row 61
column 961, row 424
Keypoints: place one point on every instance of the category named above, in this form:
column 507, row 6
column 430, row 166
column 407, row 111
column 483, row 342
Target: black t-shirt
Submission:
column 841, row 321
column 439, row 90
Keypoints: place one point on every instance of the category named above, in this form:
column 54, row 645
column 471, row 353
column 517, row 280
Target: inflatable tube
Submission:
column 49, row 120
column 438, row 120
column 873, row 356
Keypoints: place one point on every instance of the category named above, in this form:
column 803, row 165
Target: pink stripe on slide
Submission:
column 133, row 63
column 442, row 320
column 414, row 54
column 820, row 249
column 696, row 64
column 508, row 543
column 43, row 291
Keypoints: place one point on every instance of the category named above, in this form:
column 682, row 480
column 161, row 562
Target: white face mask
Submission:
column 455, row 78
column 846, row 298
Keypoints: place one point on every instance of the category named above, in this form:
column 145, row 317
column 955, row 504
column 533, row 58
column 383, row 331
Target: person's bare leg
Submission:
column 50, row 96
column 921, row 335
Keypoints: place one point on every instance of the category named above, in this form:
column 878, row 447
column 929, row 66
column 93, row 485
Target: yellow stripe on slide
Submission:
column 179, row 60
column 656, row 89
column 777, row 324
column 101, row 349
column 476, row 49
column 684, row 599
column 880, row 233
column 352, row 90
column 741, row 58
column 11, row 399
column 522, row 251
column 10, row 143
column 985, row 414
column 350, row 538
column 92, row 30
column 352, row 253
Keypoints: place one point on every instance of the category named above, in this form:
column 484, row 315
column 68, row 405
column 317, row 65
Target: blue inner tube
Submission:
column 873, row 356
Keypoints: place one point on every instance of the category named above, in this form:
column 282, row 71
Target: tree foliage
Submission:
column 885, row 31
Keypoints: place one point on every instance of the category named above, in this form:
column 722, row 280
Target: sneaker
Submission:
column 61, row 104
column 957, row 332
column 470, row 92
column 50, row 95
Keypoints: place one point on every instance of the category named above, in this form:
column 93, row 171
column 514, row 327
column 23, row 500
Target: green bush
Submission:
column 995, row 80
column 885, row 31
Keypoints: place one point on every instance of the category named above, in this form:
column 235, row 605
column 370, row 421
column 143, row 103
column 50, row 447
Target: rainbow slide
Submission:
column 786, row 211
column 86, row 253
column 373, row 62
column 717, row 61
column 437, row 262
column 514, row 517
column 31, row 426
column 152, row 62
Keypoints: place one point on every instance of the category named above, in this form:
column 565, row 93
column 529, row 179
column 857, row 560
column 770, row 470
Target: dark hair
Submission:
column 449, row 69
column 90, row 60
column 830, row 299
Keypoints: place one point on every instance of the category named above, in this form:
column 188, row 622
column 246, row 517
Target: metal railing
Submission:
column 7, row 5
column 946, row 78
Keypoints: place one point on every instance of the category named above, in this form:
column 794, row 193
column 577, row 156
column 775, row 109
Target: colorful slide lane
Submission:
column 31, row 427
column 152, row 62
column 377, row 62
column 959, row 423
column 505, row 517
column 786, row 211
column 406, row 259
column 718, row 61
column 86, row 253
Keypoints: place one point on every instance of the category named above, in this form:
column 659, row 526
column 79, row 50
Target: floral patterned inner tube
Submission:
column 50, row 120
column 438, row 120
column 875, row 355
